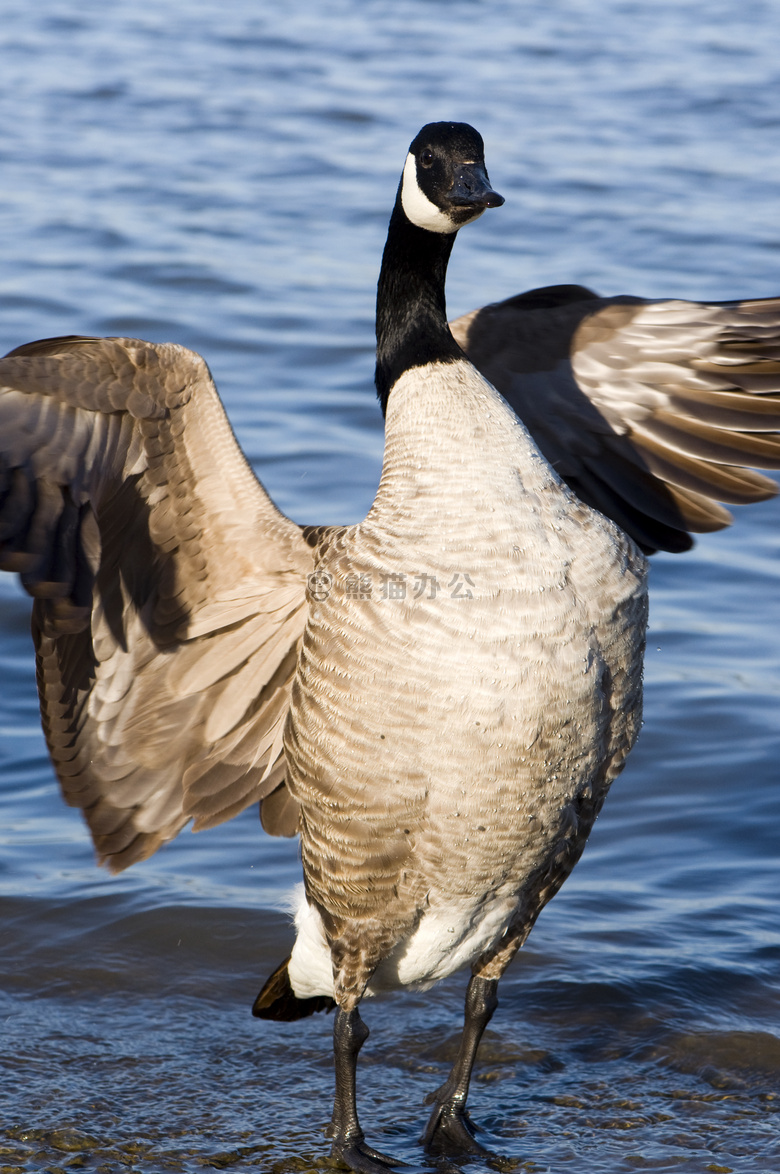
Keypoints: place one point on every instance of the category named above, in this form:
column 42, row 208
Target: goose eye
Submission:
column 426, row 158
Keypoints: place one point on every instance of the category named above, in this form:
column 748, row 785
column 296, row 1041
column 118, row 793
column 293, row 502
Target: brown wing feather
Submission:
column 169, row 590
column 650, row 411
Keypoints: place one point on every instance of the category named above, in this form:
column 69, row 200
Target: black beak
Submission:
column 471, row 188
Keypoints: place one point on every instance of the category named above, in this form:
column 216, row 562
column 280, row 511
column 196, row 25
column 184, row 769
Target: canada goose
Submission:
column 185, row 670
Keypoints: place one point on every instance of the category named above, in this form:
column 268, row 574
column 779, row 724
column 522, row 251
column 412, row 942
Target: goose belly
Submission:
column 447, row 938
column 443, row 942
column 450, row 754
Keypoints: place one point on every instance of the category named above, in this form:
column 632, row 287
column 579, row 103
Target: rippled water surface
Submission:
column 221, row 176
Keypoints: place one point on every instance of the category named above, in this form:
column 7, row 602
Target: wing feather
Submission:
column 169, row 590
column 653, row 412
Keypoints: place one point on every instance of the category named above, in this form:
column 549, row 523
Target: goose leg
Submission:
column 349, row 1147
column 449, row 1128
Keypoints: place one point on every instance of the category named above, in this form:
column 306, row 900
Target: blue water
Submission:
column 221, row 176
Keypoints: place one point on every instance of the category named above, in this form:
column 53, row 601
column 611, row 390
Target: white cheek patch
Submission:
column 419, row 209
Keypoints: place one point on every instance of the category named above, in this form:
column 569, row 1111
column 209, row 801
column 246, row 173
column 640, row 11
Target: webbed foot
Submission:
column 450, row 1131
column 361, row 1158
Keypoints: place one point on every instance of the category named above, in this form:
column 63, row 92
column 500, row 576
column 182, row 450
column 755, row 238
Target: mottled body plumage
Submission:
column 463, row 799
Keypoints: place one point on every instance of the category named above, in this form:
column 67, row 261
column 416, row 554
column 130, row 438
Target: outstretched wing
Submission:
column 652, row 412
column 169, row 590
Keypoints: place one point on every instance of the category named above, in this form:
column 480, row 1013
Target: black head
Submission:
column 445, row 184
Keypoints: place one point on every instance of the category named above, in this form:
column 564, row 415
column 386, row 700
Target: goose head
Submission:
column 444, row 185
column 445, row 182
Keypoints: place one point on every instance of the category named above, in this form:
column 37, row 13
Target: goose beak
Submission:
column 471, row 188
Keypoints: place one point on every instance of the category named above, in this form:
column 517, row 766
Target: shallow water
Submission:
column 221, row 176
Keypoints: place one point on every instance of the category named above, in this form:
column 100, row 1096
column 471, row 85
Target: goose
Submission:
column 436, row 699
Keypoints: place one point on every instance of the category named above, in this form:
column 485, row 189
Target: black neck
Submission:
column 411, row 315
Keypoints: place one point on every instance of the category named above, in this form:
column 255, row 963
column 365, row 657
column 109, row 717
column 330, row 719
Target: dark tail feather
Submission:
column 277, row 999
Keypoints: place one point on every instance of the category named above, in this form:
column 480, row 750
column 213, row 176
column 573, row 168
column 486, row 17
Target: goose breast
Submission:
column 441, row 799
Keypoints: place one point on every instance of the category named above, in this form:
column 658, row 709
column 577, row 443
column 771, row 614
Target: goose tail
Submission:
column 277, row 1000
